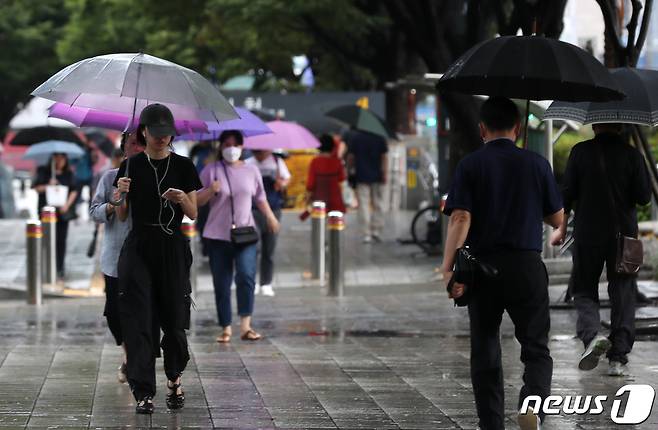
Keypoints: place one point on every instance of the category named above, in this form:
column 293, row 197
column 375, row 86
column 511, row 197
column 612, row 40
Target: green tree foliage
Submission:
column 28, row 31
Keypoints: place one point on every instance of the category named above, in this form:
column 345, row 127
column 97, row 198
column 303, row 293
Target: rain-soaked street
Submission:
column 386, row 355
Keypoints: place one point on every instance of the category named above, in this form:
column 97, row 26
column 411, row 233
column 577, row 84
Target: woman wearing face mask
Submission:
column 232, row 186
column 154, row 264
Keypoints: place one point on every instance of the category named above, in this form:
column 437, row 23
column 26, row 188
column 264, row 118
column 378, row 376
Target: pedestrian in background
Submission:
column 326, row 174
column 367, row 157
column 498, row 198
column 63, row 175
column 155, row 260
column 114, row 235
column 233, row 187
column 276, row 178
column 604, row 180
column 7, row 205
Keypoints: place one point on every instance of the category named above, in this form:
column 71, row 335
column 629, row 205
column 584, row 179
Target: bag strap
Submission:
column 230, row 194
column 611, row 194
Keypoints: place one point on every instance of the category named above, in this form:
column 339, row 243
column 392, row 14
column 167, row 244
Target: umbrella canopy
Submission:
column 86, row 117
column 639, row 107
column 285, row 135
column 126, row 83
column 41, row 152
column 248, row 123
column 361, row 119
column 31, row 136
column 533, row 68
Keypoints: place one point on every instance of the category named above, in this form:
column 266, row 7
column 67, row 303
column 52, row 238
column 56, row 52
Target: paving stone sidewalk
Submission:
column 390, row 357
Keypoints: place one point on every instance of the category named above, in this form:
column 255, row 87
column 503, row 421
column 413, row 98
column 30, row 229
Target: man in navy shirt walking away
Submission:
column 499, row 197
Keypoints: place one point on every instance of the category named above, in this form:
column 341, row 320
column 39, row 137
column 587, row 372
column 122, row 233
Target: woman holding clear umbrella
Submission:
column 154, row 264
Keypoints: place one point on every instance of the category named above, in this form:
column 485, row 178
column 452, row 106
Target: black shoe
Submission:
column 145, row 406
column 175, row 400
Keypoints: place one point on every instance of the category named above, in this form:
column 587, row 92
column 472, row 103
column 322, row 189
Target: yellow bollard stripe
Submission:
column 34, row 235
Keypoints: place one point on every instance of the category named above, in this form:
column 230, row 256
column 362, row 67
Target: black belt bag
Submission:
column 242, row 236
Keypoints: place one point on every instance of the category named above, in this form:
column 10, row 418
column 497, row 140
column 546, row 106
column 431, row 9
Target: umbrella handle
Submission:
column 123, row 195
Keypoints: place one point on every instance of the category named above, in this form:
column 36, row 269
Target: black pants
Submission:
column 111, row 311
column 267, row 247
column 521, row 289
column 61, row 235
column 588, row 263
column 154, row 283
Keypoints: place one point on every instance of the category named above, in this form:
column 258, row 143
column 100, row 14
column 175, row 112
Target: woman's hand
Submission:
column 53, row 181
column 216, row 186
column 123, row 185
column 175, row 195
column 273, row 224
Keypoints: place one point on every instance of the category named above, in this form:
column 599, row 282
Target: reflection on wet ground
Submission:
column 394, row 357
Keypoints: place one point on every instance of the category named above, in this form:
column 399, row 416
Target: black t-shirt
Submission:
column 147, row 206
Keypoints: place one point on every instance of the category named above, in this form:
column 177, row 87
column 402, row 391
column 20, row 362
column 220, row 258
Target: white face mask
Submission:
column 232, row 153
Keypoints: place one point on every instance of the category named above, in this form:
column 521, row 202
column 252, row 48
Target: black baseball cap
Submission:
column 159, row 120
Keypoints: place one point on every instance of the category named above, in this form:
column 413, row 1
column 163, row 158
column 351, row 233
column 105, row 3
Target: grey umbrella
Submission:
column 639, row 107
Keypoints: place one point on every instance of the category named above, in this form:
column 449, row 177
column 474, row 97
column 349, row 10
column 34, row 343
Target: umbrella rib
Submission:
column 194, row 94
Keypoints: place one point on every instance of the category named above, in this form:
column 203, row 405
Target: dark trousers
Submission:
column 267, row 247
column 61, row 235
column 588, row 263
column 154, row 294
column 111, row 311
column 224, row 257
column 521, row 289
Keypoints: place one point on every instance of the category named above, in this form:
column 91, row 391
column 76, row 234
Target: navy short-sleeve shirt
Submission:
column 508, row 192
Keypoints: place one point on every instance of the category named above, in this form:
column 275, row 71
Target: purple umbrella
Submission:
column 286, row 135
column 248, row 123
column 85, row 117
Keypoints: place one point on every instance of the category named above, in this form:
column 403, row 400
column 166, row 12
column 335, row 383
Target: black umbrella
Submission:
column 362, row 119
column 531, row 68
column 639, row 107
column 30, row 136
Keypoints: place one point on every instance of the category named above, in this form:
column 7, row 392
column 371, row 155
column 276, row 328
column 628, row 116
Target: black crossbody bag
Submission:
column 239, row 235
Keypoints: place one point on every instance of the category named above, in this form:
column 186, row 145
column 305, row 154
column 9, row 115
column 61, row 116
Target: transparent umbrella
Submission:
column 126, row 83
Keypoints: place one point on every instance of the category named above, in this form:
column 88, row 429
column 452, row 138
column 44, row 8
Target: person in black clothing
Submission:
column 604, row 180
column 496, row 204
column 154, row 265
column 63, row 176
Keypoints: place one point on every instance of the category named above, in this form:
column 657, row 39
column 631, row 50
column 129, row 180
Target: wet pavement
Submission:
column 385, row 357
column 392, row 354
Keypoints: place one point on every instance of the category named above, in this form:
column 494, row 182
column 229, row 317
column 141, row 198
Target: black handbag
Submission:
column 465, row 271
column 241, row 236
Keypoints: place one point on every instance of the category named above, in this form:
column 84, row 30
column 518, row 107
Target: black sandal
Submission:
column 175, row 400
column 145, row 406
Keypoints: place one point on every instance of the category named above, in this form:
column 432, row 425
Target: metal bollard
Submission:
column 33, row 235
column 336, row 263
column 189, row 230
column 49, row 247
column 318, row 219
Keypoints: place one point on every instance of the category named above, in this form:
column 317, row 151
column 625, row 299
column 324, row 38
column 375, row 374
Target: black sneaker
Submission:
column 145, row 406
